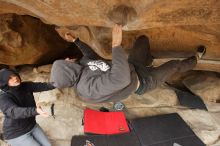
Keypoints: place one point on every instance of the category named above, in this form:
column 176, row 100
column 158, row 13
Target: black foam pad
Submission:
column 190, row 100
column 165, row 130
column 128, row 139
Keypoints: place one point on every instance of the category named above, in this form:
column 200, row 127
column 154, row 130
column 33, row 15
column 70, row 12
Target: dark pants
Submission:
column 151, row 77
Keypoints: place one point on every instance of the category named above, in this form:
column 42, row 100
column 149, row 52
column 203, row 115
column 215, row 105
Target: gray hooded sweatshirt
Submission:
column 94, row 84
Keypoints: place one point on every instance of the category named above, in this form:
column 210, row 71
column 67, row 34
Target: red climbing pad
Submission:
column 97, row 122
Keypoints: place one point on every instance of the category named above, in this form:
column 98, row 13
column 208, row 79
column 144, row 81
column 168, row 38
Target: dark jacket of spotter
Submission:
column 18, row 105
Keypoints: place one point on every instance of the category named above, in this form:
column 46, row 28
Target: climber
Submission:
column 98, row 80
column 19, row 108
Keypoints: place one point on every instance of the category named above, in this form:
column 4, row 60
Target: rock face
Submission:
column 26, row 40
column 207, row 87
column 175, row 28
column 143, row 14
column 69, row 108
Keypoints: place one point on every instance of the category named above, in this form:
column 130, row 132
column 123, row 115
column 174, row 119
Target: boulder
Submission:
column 27, row 40
column 206, row 85
column 175, row 29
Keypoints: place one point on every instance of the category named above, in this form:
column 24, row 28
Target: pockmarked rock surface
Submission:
column 175, row 28
column 27, row 40
column 207, row 87
column 68, row 109
column 135, row 14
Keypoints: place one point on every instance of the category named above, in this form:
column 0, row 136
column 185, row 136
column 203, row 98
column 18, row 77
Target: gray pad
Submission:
column 128, row 139
column 165, row 130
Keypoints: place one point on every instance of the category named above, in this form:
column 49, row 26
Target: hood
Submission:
column 4, row 77
column 65, row 74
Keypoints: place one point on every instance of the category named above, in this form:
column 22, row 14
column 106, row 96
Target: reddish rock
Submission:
column 175, row 28
column 26, row 40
